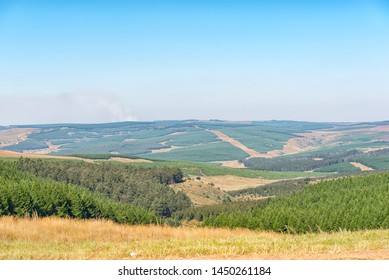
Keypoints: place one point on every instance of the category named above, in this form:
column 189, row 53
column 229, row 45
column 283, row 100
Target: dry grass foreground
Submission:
column 54, row 238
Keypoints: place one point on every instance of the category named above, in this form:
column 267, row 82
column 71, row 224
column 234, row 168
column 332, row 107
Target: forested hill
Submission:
column 351, row 203
column 142, row 186
column 205, row 141
column 24, row 195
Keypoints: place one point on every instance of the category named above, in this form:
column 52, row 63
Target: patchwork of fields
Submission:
column 204, row 141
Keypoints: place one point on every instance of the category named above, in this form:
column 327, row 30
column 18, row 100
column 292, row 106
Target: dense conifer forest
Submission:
column 351, row 203
column 25, row 195
column 142, row 186
column 314, row 161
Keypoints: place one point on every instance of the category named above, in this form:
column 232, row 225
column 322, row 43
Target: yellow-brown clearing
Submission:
column 178, row 133
column 126, row 160
column 200, row 192
column 10, row 154
column 306, row 142
column 208, row 190
column 236, row 143
column 164, row 150
column 362, row 166
column 232, row 164
column 54, row 238
column 50, row 149
column 375, row 149
column 233, row 183
column 13, row 136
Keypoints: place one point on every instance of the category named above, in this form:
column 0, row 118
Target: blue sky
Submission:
column 150, row 60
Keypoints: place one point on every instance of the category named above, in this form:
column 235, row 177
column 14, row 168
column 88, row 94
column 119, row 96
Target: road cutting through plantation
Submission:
column 305, row 142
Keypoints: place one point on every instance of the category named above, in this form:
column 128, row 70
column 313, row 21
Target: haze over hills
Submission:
column 257, row 144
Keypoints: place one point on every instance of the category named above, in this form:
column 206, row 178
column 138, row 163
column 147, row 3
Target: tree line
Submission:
column 147, row 187
column 310, row 162
column 351, row 203
column 25, row 195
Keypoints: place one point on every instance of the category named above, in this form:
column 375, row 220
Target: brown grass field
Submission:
column 11, row 154
column 62, row 239
column 361, row 166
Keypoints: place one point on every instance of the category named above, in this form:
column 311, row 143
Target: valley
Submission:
column 196, row 189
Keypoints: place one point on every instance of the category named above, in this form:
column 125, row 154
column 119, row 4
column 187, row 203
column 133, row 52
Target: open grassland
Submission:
column 54, row 238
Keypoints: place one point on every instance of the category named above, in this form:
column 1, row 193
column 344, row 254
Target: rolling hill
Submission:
column 244, row 144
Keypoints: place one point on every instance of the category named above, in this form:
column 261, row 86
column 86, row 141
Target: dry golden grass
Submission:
column 11, row 154
column 210, row 190
column 233, row 183
column 54, row 238
column 361, row 166
column 232, row 164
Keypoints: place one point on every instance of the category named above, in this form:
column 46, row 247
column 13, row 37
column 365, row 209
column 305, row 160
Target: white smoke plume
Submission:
column 64, row 108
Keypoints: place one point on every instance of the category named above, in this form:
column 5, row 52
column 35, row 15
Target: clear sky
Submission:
column 101, row 61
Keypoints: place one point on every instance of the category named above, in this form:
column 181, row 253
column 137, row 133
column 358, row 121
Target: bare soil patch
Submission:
column 362, row 166
column 200, row 192
column 165, row 150
column 129, row 140
column 232, row 164
column 178, row 133
column 236, row 143
column 10, row 154
column 50, row 149
column 14, row 136
column 306, row 142
column 208, row 190
column 376, row 149
column 125, row 160
column 233, row 183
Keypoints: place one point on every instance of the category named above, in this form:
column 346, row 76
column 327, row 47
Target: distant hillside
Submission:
column 216, row 141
